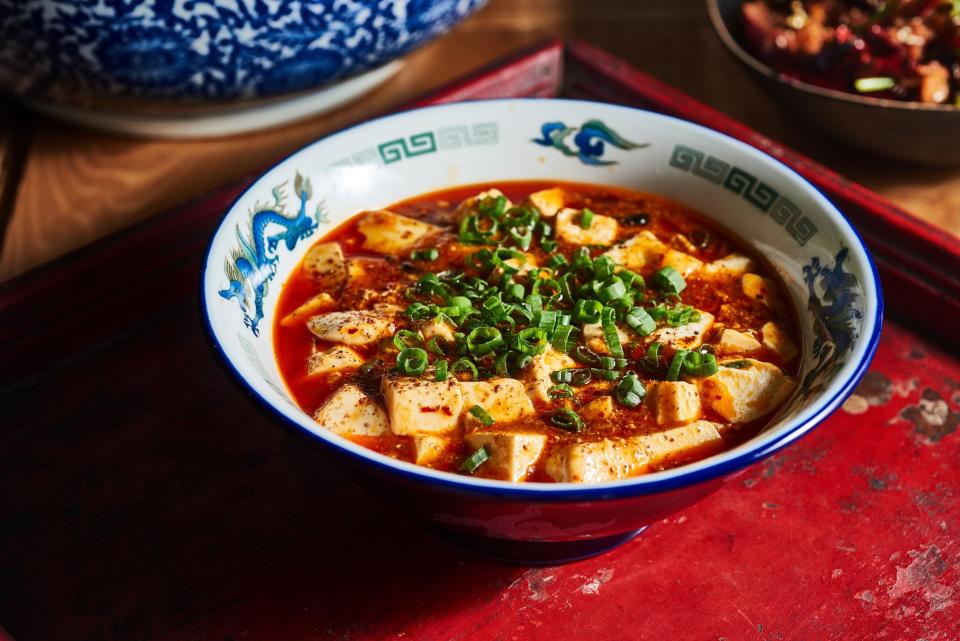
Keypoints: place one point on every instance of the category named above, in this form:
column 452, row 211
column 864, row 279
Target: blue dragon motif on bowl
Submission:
column 589, row 140
column 835, row 313
column 253, row 263
column 196, row 50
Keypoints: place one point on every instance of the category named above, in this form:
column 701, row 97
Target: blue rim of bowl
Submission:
column 564, row 492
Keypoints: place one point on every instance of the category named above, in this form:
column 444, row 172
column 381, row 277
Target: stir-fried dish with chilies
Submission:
column 896, row 49
column 542, row 333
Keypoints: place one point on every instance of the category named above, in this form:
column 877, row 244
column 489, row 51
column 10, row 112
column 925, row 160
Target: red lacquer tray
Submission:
column 143, row 497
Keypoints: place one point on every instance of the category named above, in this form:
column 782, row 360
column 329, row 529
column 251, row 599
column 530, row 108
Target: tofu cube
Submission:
column 504, row 399
column 759, row 288
column 469, row 206
column 599, row 410
column 418, row 406
column 536, row 376
column 602, row 231
column 325, row 264
column 338, row 358
column 351, row 327
column 747, row 392
column 638, row 252
column 678, row 441
column 777, row 341
column 350, row 412
column 429, row 448
column 548, row 201
column 688, row 336
column 682, row 262
column 511, row 453
column 594, row 338
column 673, row 402
column 606, row 460
column 735, row 342
column 322, row 302
column 728, row 267
column 388, row 233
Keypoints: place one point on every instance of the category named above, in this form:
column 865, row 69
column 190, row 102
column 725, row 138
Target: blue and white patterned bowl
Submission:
column 126, row 53
column 822, row 260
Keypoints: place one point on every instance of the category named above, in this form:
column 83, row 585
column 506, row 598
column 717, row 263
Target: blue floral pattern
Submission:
column 207, row 49
column 589, row 140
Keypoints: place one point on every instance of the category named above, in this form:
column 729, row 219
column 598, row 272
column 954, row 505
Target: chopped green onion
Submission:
column 630, row 391
column 405, row 338
column 563, row 338
column 568, row 420
column 652, row 358
column 608, row 323
column 556, row 261
column 700, row 364
column 412, row 361
column 631, row 279
column 548, row 245
column 530, row 341
column 586, row 218
column 482, row 415
column 640, row 321
column 465, row 365
column 369, row 366
column 673, row 372
column 547, row 321
column 561, row 390
column 604, row 267
column 742, row 364
column 605, row 374
column 440, row 371
column 611, row 290
column 500, row 364
column 572, row 375
column 474, row 461
column 585, row 355
column 669, row 280
column 522, row 239
column 483, row 340
column 434, row 347
column 425, row 254
column 876, row 83
column 587, row 311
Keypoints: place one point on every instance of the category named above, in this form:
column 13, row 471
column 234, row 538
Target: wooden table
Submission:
column 64, row 187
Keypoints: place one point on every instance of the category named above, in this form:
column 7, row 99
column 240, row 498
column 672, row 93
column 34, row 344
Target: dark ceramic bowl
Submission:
column 267, row 231
column 908, row 131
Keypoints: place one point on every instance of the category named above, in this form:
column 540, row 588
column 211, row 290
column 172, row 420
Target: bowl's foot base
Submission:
column 537, row 553
column 225, row 119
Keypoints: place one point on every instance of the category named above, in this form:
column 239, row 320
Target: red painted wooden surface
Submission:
column 143, row 497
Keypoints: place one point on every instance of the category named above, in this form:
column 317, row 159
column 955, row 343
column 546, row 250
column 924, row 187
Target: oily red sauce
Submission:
column 635, row 211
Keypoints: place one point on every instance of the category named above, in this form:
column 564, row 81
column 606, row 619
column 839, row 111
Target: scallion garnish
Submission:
column 483, row 340
column 567, row 420
column 434, row 347
column 630, row 391
column 430, row 254
column 440, row 370
column 572, row 376
column 563, row 338
column 608, row 323
column 474, row 461
column 561, row 390
column 652, row 357
column 875, row 83
column 465, row 365
column 673, row 372
column 412, row 361
column 482, row 415
column 587, row 311
column 530, row 341
column 669, row 280
column 586, row 218
column 742, row 364
column 405, row 338
column 700, row 364
column 640, row 321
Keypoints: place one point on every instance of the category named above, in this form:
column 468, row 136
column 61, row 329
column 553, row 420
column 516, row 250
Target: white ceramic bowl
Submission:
column 823, row 261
